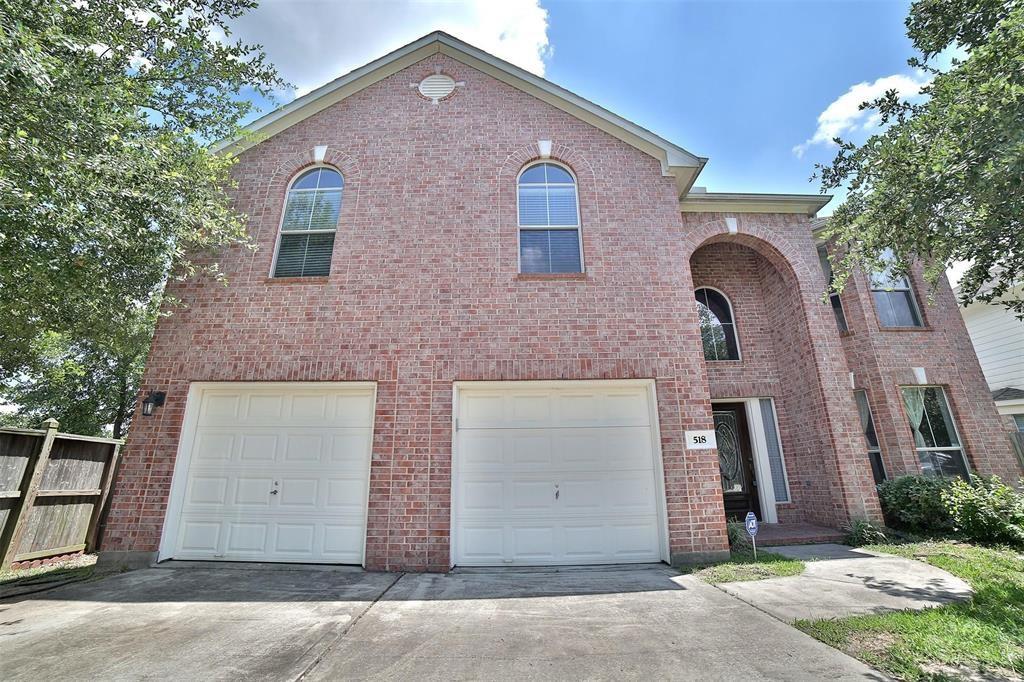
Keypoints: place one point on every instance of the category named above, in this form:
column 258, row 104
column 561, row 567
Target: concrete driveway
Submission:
column 236, row 622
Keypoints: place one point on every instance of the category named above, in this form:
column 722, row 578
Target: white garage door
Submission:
column 275, row 472
column 556, row 473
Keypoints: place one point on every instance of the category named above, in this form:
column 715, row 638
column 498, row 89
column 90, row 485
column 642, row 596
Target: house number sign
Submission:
column 700, row 440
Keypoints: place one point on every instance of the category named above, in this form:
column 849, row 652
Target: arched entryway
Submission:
column 785, row 426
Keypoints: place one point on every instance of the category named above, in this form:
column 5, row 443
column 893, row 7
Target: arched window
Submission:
column 717, row 328
column 310, row 220
column 549, row 220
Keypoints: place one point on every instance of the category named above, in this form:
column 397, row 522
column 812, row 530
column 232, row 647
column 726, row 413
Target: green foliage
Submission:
column 986, row 510
column 105, row 175
column 89, row 386
column 738, row 536
column 915, row 503
column 979, row 639
column 944, row 179
column 862, row 532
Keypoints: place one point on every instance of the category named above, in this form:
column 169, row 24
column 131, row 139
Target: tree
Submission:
column 943, row 181
column 105, row 175
column 89, row 386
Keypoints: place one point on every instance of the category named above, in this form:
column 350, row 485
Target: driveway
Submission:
column 242, row 622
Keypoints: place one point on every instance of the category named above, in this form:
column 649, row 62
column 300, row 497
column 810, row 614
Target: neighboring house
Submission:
column 998, row 338
column 491, row 323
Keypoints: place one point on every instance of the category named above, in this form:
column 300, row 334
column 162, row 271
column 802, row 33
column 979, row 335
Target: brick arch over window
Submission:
column 507, row 196
column 814, row 387
column 277, row 184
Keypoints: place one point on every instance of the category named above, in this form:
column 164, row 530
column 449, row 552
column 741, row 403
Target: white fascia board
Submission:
column 674, row 159
column 718, row 202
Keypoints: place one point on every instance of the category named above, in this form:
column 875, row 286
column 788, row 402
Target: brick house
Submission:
column 489, row 323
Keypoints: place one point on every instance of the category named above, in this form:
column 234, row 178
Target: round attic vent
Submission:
column 437, row 86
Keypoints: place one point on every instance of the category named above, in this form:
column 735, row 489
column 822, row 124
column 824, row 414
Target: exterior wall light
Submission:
column 154, row 400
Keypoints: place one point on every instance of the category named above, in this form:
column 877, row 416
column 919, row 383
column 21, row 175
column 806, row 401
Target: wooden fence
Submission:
column 53, row 491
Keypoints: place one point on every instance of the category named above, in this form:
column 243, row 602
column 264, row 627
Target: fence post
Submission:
column 28, row 496
column 106, row 486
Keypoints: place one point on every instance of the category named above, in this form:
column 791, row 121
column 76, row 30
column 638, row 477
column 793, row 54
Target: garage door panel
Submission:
column 310, row 445
column 483, row 495
column 533, row 543
column 346, row 494
column 585, row 542
column 517, row 447
column 246, row 537
column 207, row 490
column 296, row 493
column 214, row 446
column 250, row 491
column 304, row 447
column 200, row 536
column 259, row 447
column 482, row 544
column 294, row 538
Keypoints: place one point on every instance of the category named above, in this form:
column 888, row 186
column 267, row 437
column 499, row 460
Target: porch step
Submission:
column 796, row 534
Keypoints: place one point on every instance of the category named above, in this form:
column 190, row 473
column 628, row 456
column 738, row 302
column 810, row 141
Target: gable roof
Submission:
column 675, row 161
column 1008, row 393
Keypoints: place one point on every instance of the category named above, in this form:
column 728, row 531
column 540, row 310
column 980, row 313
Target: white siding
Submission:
column 998, row 338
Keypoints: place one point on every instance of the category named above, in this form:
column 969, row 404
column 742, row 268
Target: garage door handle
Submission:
column 273, row 492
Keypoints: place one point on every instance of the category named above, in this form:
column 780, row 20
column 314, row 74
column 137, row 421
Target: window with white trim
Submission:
column 549, row 220
column 894, row 297
column 935, row 436
column 867, row 424
column 310, row 221
column 717, row 327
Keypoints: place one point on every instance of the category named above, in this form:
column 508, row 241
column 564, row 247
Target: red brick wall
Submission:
column 424, row 291
column 882, row 360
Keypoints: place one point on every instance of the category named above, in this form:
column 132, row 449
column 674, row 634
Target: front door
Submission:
column 736, row 464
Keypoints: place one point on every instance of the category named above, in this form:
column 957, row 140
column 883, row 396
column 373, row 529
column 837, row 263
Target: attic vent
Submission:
column 437, row 86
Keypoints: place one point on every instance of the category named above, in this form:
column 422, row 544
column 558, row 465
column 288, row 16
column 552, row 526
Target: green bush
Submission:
column 915, row 503
column 862, row 532
column 738, row 536
column 986, row 510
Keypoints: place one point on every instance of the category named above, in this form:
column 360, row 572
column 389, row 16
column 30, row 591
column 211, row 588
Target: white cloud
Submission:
column 314, row 41
column 845, row 115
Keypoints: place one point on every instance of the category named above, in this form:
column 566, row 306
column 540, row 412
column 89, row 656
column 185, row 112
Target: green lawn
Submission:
column 741, row 566
column 984, row 635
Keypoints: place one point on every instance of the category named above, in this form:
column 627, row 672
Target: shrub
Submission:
column 986, row 510
column 862, row 532
column 738, row 536
column 915, row 503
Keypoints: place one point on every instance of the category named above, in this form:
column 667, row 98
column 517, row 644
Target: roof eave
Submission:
column 730, row 202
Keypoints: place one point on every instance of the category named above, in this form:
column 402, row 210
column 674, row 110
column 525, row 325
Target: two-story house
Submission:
column 489, row 322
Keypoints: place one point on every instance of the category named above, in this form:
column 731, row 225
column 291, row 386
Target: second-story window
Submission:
column 717, row 328
column 310, row 221
column 833, row 297
column 549, row 220
column 894, row 298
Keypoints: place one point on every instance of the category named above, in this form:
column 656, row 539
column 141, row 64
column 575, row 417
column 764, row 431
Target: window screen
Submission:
column 894, row 298
column 549, row 236
column 935, row 437
column 309, row 224
column 717, row 328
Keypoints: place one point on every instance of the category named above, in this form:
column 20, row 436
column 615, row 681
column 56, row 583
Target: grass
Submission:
column 75, row 568
column 741, row 566
column 984, row 635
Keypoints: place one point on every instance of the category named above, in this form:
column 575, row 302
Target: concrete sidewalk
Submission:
column 842, row 581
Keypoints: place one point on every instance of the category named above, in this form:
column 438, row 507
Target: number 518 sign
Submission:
column 700, row 440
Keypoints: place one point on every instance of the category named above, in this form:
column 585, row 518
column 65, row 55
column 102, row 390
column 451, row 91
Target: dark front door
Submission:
column 739, row 482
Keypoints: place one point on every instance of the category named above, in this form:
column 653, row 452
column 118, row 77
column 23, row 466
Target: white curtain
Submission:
column 913, row 398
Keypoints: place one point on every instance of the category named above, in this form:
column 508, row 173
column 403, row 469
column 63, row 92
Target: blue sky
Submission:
column 758, row 86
